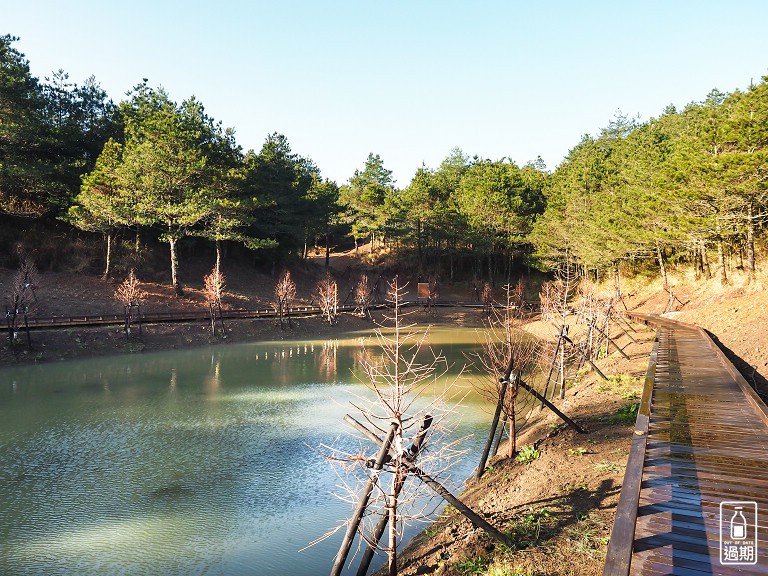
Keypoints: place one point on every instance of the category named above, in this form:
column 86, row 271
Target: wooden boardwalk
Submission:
column 701, row 438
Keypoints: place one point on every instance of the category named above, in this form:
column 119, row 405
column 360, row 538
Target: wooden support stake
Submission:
column 473, row 517
column 610, row 340
column 26, row 326
column 552, row 407
column 346, row 544
column 492, row 434
column 381, row 526
column 562, row 367
column 552, row 365
column 596, row 369
column 628, row 335
column 499, row 434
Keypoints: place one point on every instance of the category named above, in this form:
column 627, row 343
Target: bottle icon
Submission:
column 738, row 525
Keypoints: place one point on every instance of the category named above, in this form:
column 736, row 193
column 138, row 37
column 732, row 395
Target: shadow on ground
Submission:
column 750, row 373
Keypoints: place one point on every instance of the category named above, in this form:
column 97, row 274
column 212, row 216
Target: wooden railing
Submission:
column 619, row 555
column 190, row 316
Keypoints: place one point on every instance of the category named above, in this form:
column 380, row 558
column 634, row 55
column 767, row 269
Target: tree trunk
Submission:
column 419, row 246
column 392, row 509
column 175, row 268
column 109, row 255
column 662, row 267
column 490, row 268
column 698, row 264
column 327, row 252
column 721, row 261
column 705, row 267
column 750, row 243
column 218, row 256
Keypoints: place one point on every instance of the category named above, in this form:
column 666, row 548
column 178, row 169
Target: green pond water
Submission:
column 189, row 462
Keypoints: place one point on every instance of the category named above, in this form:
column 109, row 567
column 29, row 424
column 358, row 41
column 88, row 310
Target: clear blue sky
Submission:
column 407, row 80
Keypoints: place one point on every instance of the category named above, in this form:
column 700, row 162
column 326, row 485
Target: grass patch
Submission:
column 505, row 569
column 627, row 414
column 527, row 454
column 526, row 530
column 587, row 535
column 607, row 467
column 577, row 451
column 472, row 566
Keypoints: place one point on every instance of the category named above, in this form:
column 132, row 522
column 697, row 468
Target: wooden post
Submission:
column 26, row 327
column 10, row 327
column 595, row 368
column 473, row 517
column 221, row 318
column 346, row 544
column 552, row 407
column 620, row 323
column 562, row 365
column 492, row 434
column 552, row 365
column 609, row 340
column 378, row 531
column 499, row 434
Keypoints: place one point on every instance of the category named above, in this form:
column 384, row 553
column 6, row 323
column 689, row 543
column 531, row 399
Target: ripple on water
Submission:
column 174, row 464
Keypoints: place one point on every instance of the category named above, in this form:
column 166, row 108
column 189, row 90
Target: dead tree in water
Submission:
column 285, row 292
column 130, row 295
column 21, row 300
column 327, row 292
column 213, row 290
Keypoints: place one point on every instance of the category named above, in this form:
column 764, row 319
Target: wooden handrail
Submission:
column 619, row 555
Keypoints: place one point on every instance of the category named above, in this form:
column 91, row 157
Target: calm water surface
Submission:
column 189, row 462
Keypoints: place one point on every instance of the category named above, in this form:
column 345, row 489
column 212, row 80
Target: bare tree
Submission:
column 509, row 355
column 22, row 299
column 327, row 292
column 213, row 290
column 363, row 297
column 285, row 292
column 398, row 411
column 486, row 299
column 433, row 294
column 130, row 295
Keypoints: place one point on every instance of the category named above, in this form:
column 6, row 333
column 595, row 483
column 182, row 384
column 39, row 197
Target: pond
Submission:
column 188, row 462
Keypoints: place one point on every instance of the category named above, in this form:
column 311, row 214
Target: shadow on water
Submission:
column 750, row 373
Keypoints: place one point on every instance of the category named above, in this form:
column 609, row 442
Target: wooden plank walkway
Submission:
column 701, row 438
column 47, row 322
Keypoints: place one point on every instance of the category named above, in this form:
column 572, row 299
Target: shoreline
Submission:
column 52, row 345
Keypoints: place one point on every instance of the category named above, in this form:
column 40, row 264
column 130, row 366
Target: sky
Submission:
column 407, row 80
